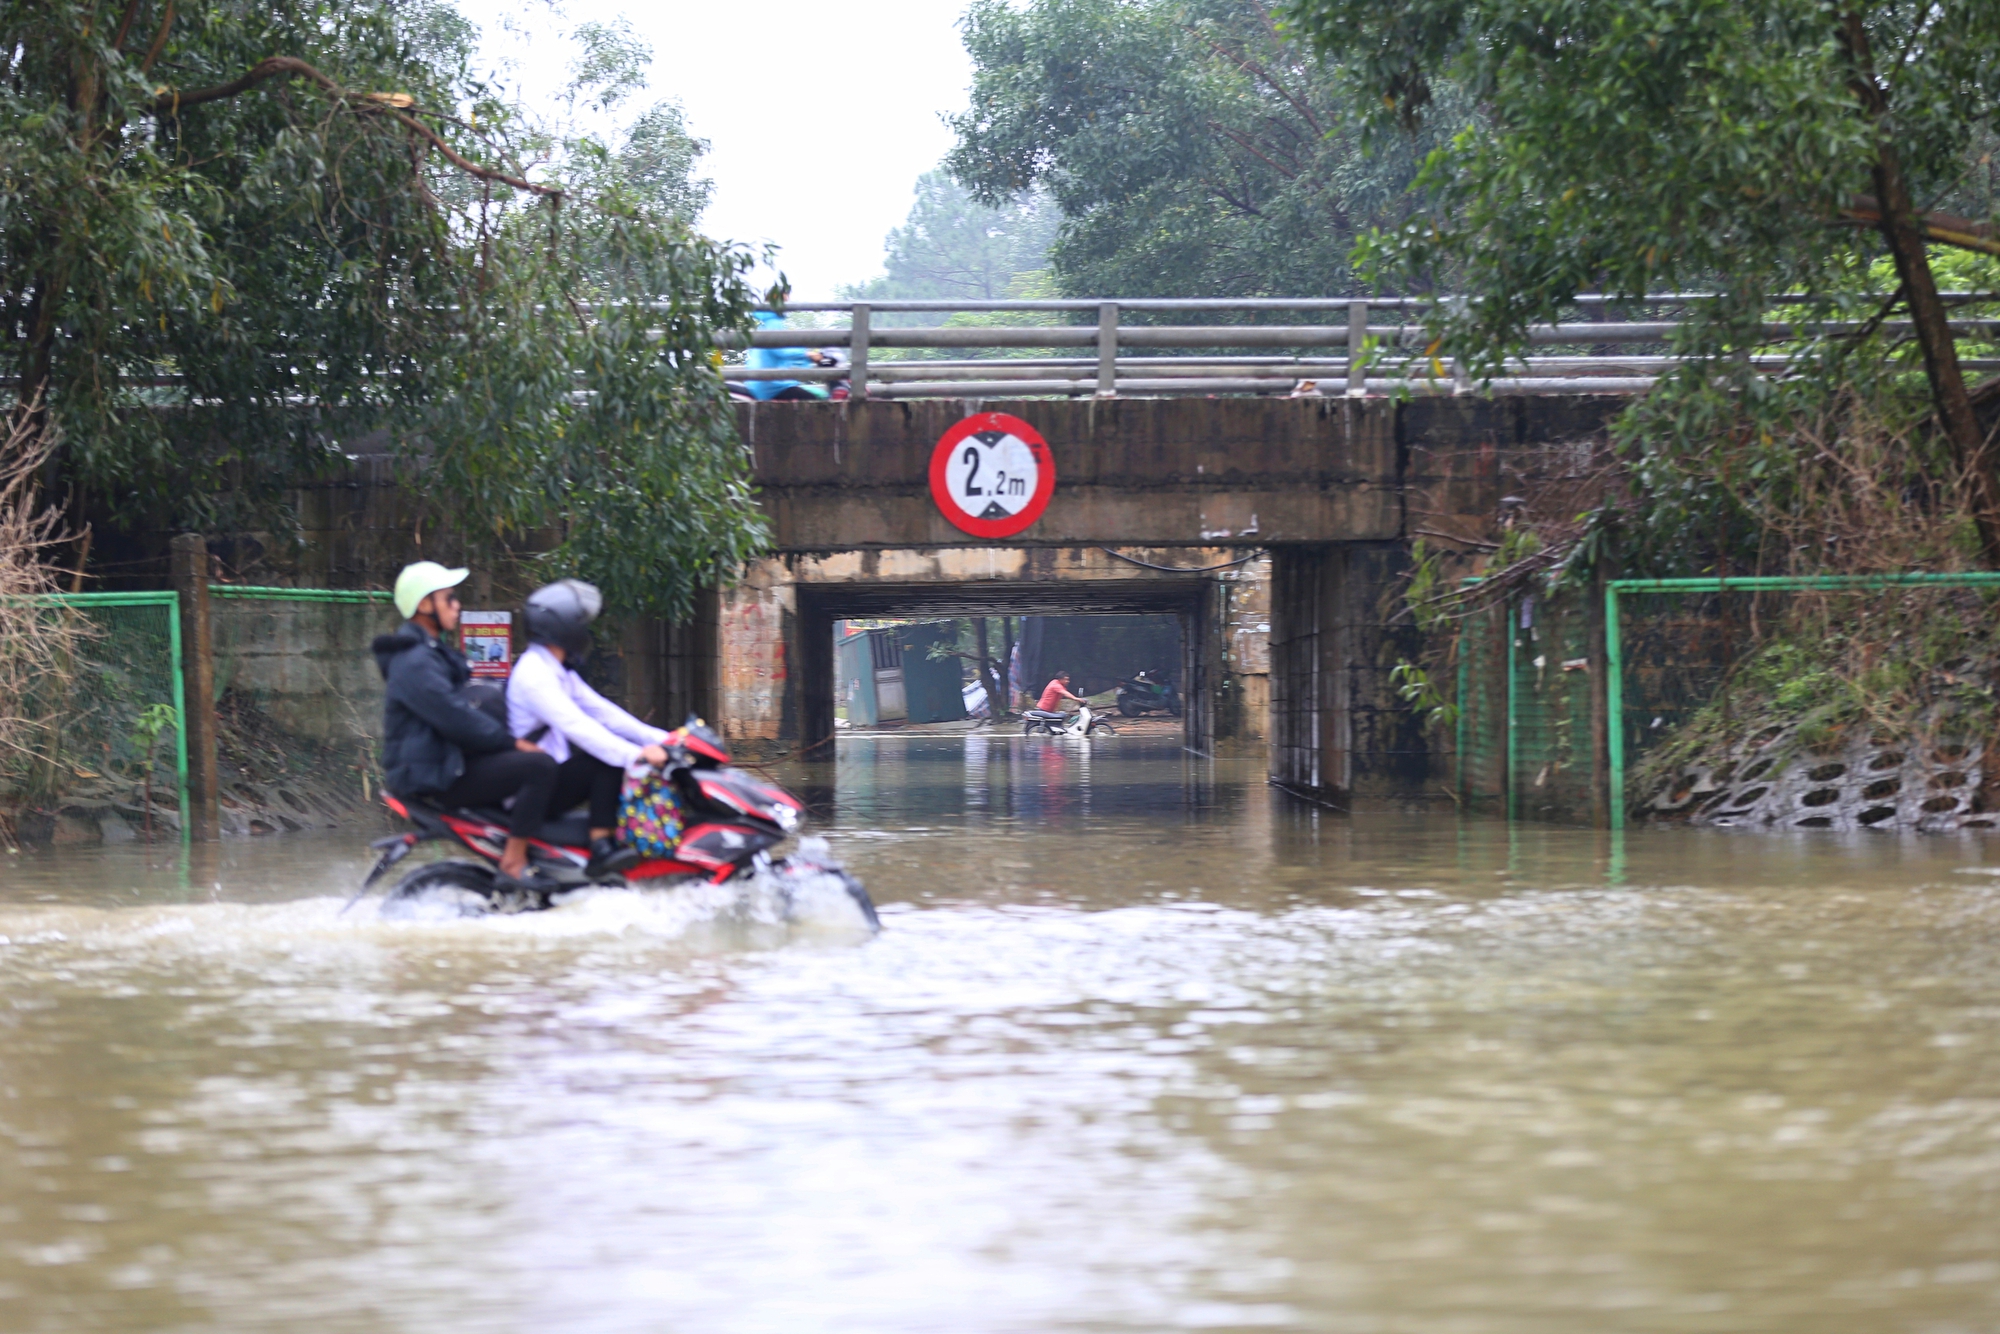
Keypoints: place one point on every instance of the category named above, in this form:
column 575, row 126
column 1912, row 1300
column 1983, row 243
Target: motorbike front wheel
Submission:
column 443, row 889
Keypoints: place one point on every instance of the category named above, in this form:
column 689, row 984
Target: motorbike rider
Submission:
column 436, row 742
column 1055, row 692
column 777, row 358
column 592, row 741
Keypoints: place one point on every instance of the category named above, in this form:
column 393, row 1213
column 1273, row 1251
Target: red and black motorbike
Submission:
column 732, row 821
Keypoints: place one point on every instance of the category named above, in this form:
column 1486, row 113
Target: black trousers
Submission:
column 489, row 780
column 584, row 777
column 539, row 787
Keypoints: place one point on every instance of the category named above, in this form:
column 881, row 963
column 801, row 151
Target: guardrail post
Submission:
column 857, row 355
column 1107, row 349
column 190, row 574
column 1357, row 338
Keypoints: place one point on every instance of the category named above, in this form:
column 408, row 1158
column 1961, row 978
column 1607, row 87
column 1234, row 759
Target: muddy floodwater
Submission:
column 1144, row 1045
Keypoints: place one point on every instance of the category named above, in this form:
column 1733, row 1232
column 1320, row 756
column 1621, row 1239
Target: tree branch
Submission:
column 1243, row 142
column 125, row 24
column 171, row 104
column 159, row 38
column 1944, row 228
column 1257, row 70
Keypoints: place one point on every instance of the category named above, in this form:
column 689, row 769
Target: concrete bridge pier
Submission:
column 1337, row 729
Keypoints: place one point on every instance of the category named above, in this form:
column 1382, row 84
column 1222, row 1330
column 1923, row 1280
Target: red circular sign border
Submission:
column 1045, row 475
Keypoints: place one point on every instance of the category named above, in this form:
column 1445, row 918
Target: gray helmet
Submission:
column 560, row 614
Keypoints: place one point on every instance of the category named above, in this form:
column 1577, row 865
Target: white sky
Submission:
column 820, row 115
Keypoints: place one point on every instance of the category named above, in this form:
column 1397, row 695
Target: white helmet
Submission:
column 419, row 581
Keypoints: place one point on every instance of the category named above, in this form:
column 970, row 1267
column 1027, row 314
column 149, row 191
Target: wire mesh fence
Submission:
column 298, row 708
column 1814, row 702
column 1554, row 773
column 105, row 715
column 1528, row 738
column 1809, row 702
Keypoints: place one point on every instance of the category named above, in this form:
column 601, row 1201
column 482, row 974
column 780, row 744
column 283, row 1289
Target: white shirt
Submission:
column 543, row 692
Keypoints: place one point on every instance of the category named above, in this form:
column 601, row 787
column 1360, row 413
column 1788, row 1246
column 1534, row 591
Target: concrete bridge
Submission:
column 1264, row 483
column 1275, row 529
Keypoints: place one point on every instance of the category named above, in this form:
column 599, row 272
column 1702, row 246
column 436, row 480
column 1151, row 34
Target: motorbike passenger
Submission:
column 592, row 741
column 436, row 741
column 1055, row 692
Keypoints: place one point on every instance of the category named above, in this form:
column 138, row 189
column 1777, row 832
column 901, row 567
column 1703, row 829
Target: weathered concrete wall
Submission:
column 777, row 678
column 304, row 665
column 1147, row 471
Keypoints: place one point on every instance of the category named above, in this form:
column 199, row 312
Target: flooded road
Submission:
column 1144, row 1045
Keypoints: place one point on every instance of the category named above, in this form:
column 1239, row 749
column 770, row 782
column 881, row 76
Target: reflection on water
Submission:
column 1145, row 1045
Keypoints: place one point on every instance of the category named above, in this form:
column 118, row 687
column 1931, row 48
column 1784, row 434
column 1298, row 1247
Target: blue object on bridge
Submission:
column 775, row 358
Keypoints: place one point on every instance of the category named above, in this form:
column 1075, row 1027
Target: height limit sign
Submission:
column 992, row 475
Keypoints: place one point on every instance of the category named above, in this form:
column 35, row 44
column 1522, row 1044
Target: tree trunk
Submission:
column 994, row 709
column 1905, row 236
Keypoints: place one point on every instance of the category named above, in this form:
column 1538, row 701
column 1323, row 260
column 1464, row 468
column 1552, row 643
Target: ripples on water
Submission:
column 1143, row 1046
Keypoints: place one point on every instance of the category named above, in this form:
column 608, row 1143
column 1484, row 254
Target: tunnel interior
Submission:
column 1191, row 602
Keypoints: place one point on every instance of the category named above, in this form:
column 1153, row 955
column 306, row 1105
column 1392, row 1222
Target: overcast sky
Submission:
column 820, row 115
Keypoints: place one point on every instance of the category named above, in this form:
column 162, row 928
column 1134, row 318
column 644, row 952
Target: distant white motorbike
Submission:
column 1082, row 723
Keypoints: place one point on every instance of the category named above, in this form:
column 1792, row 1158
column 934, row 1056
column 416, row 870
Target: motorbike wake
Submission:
column 733, row 821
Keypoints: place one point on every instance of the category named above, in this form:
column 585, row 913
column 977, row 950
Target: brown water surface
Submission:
column 1144, row 1045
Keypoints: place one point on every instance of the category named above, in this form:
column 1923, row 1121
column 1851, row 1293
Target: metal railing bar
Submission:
column 277, row 594
column 1603, row 384
column 1196, row 367
column 1084, row 305
column 1753, row 583
column 144, row 598
column 1281, row 335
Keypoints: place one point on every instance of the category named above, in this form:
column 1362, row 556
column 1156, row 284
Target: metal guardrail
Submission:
column 1242, row 358
column 1368, row 360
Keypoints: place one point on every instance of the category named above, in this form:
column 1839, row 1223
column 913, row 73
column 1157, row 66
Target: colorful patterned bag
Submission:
column 650, row 815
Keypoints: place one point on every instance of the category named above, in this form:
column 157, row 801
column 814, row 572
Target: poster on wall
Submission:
column 488, row 640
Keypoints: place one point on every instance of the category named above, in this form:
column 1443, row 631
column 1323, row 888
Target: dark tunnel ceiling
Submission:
column 1140, row 597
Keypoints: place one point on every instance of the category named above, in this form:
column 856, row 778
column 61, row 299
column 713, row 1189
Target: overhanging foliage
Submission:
column 236, row 238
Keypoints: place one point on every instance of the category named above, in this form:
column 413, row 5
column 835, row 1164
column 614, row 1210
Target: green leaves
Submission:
column 1191, row 150
column 1629, row 147
column 224, row 302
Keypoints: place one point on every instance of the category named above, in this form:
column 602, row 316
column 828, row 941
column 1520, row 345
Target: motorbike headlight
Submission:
column 787, row 818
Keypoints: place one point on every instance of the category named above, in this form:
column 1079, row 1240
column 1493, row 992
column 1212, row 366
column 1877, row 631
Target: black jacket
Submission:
column 429, row 722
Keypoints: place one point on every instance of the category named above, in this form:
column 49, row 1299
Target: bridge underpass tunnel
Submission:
column 909, row 660
column 908, row 675
column 1197, row 615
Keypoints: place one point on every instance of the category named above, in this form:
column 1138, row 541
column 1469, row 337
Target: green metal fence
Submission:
column 295, row 657
column 1538, row 738
column 1526, row 732
column 110, row 716
column 1683, row 658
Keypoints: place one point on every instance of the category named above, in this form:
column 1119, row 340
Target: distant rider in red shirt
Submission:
column 1055, row 693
